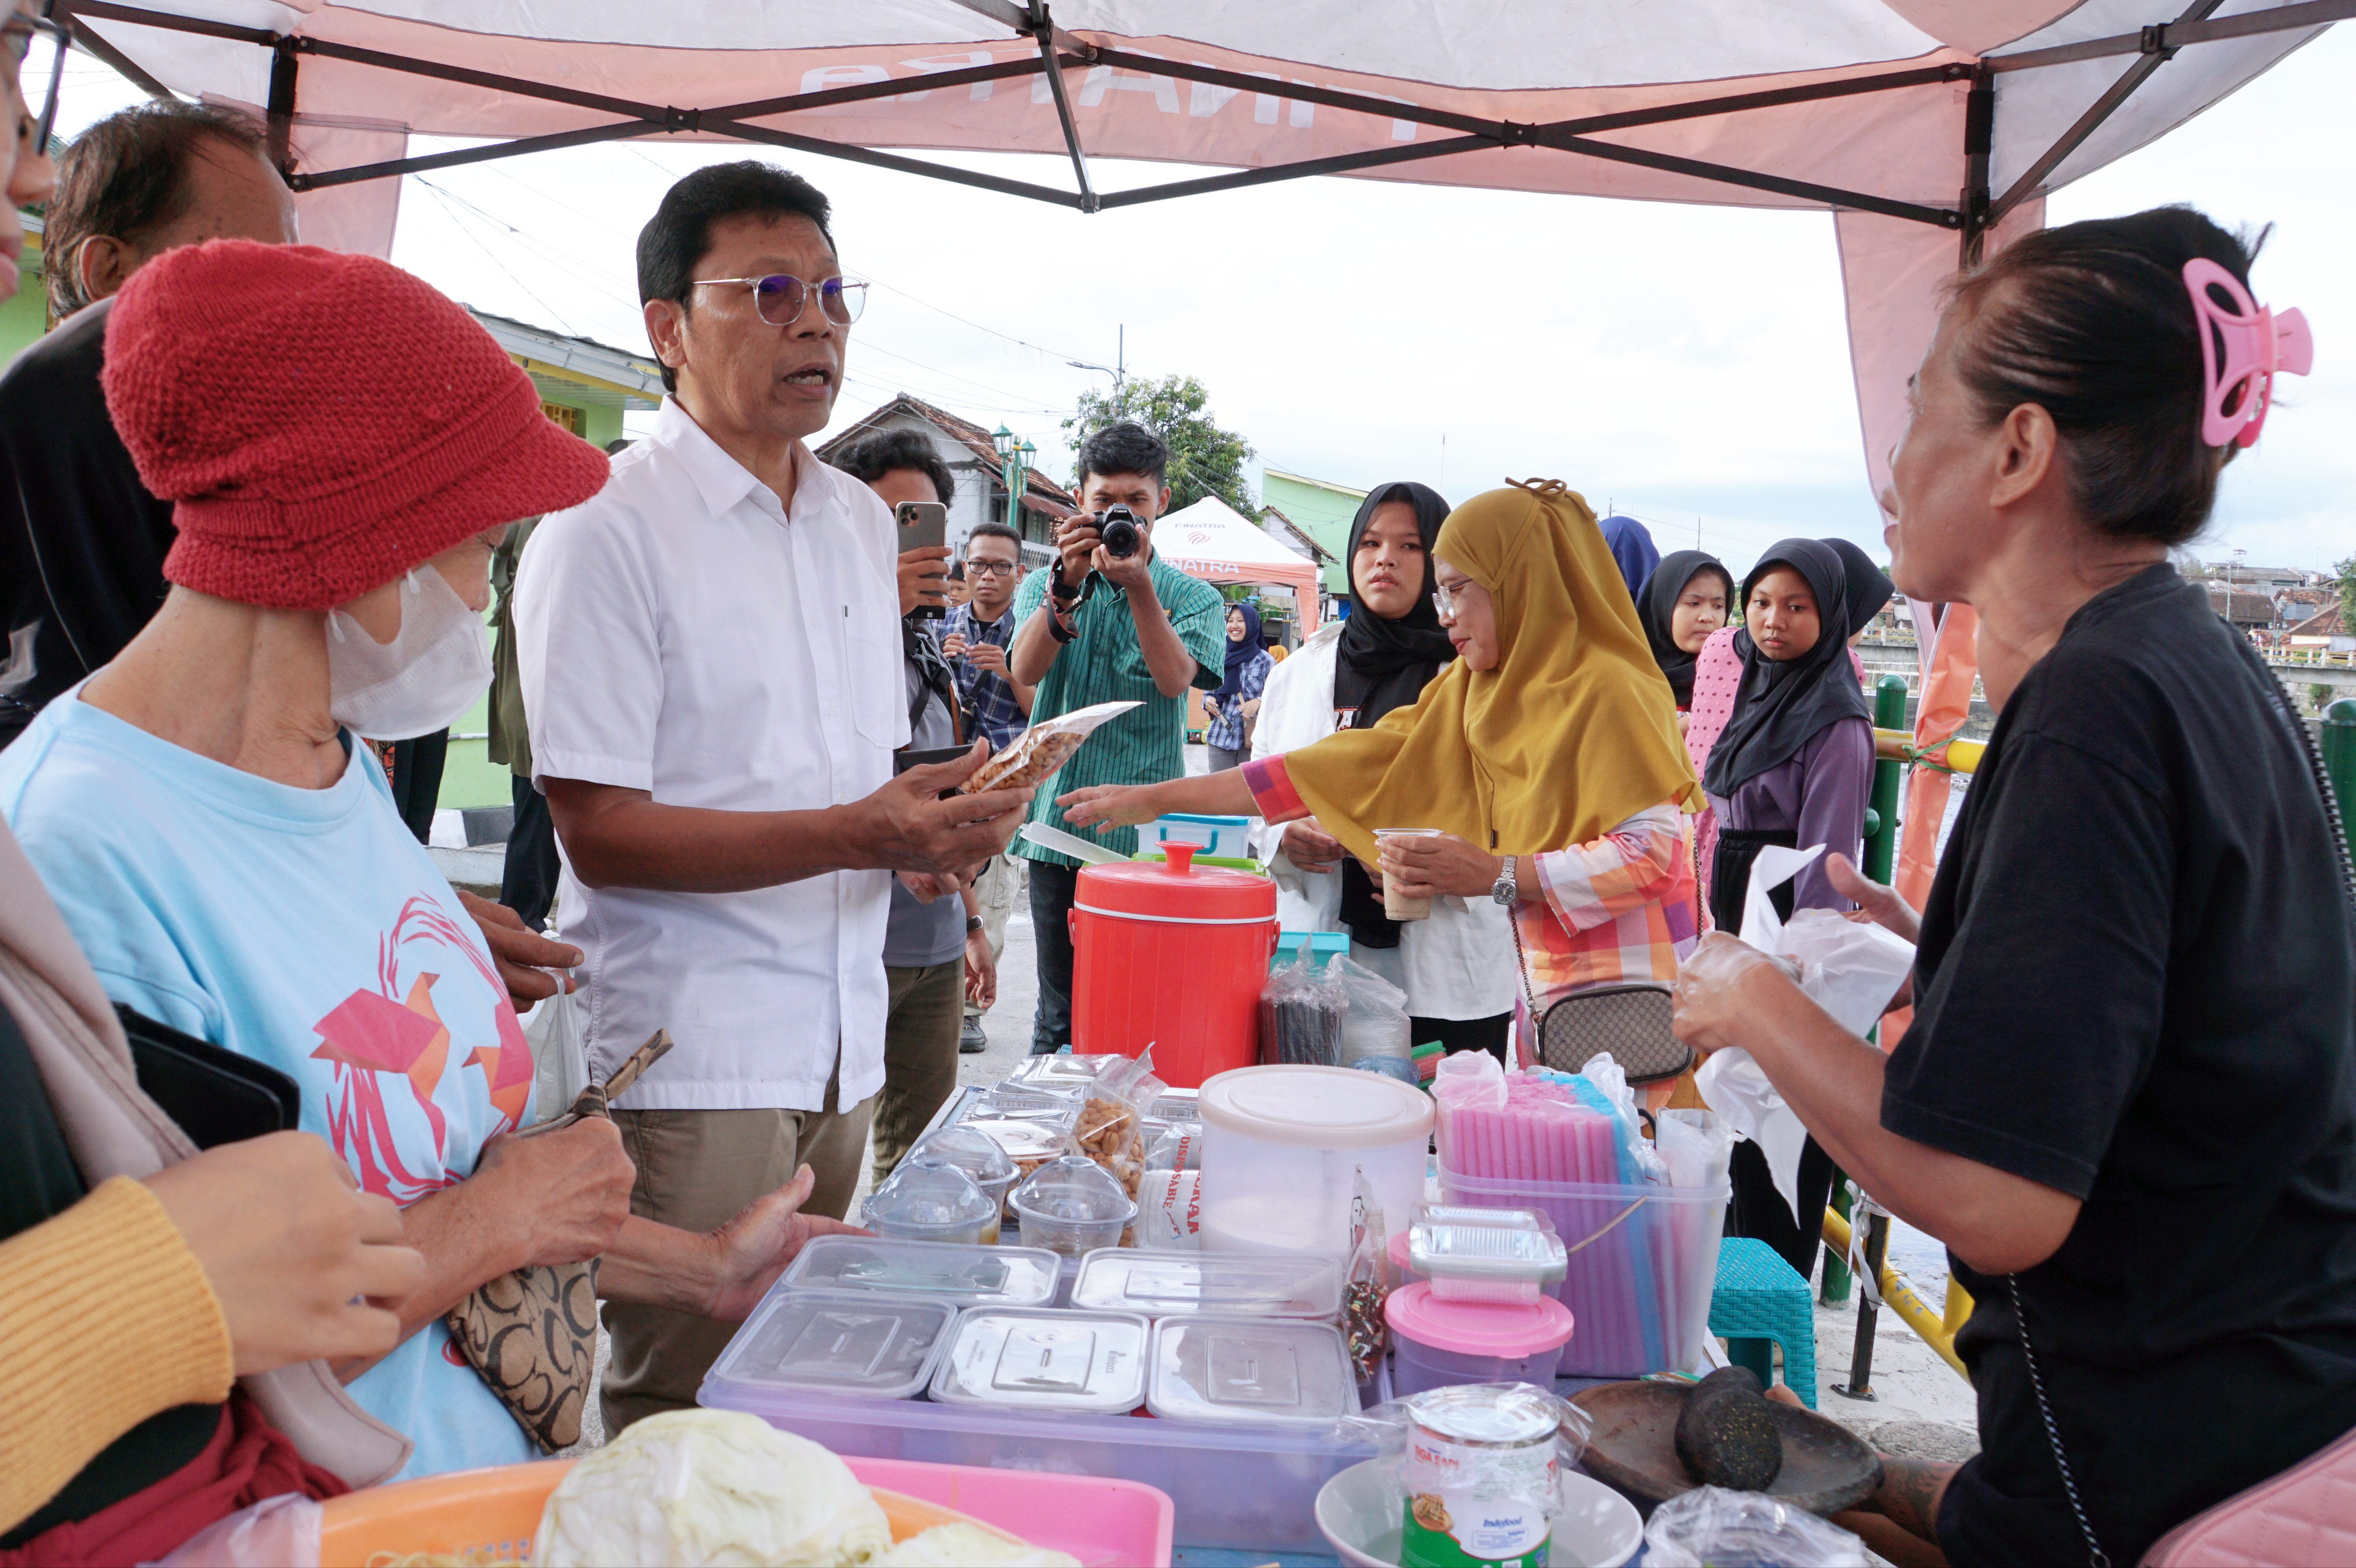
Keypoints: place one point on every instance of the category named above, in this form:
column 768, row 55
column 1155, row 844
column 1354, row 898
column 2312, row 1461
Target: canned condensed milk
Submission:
column 1481, row 1473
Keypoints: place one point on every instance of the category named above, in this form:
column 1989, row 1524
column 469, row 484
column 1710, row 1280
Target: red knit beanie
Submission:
column 322, row 422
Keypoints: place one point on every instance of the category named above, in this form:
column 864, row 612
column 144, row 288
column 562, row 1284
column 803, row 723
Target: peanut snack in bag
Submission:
column 1110, row 1128
column 1044, row 747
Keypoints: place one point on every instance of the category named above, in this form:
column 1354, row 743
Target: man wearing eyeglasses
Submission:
column 712, row 675
column 974, row 639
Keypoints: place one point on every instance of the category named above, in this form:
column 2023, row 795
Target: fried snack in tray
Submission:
column 1044, row 747
column 1110, row 1128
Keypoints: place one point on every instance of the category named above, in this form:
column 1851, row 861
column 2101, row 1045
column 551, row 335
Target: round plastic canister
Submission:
column 1443, row 1342
column 1282, row 1145
column 1175, row 958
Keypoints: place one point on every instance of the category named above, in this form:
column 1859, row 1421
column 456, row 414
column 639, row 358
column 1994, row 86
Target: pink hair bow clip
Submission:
column 2258, row 345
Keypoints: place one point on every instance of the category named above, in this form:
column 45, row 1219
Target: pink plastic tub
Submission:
column 1443, row 1342
column 1102, row 1522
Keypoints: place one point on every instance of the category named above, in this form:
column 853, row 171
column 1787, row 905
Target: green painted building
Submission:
column 25, row 315
column 586, row 387
column 1319, row 509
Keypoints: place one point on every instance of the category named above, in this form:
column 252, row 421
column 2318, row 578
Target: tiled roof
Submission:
column 1042, row 494
column 2328, row 624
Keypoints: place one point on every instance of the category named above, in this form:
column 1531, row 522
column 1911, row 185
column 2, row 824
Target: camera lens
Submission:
column 1118, row 531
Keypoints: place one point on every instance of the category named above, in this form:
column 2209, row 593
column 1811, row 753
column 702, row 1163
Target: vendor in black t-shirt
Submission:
column 2129, row 1082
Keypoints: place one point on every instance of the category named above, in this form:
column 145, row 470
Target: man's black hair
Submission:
column 871, row 457
column 676, row 238
column 995, row 531
column 128, row 176
column 1127, row 447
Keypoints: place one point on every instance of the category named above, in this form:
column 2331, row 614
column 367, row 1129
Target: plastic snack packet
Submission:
column 1111, row 1129
column 1044, row 747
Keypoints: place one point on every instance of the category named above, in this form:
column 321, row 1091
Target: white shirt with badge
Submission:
column 1457, row 964
column 685, row 634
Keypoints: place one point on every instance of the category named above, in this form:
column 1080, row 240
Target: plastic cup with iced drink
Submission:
column 1397, row 906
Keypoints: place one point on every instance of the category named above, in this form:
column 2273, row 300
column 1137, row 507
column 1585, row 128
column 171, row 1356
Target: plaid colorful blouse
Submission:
column 1620, row 909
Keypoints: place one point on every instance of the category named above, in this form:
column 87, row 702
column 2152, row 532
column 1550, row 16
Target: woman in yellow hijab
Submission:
column 1544, row 765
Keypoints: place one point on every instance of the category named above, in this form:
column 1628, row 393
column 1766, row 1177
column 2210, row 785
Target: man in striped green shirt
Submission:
column 1097, row 627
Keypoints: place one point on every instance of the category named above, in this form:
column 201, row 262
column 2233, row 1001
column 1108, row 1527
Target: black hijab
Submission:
column 1868, row 587
column 1656, row 607
column 1779, row 707
column 1385, row 665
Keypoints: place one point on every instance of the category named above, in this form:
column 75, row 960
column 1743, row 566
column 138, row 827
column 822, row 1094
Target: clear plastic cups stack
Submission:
column 980, row 1156
column 1072, row 1206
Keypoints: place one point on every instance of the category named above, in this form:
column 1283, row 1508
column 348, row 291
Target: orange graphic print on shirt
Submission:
column 389, row 1039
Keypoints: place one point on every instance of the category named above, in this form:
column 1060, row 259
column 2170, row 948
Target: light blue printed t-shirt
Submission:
column 308, row 929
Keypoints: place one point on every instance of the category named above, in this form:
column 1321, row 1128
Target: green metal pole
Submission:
column 1835, row 1287
column 1888, row 712
column 2340, row 759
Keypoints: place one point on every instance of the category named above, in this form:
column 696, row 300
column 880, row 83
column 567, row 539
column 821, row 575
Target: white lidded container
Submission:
column 1180, row 1284
column 961, row 1275
column 1043, row 1360
column 1250, row 1371
column 1282, row 1143
column 1503, row 1256
column 860, row 1343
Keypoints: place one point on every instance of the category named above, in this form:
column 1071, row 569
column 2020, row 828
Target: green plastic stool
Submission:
column 1760, row 1297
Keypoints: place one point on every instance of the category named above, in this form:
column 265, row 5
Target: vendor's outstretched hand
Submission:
column 1714, row 993
column 1110, row 806
column 1876, row 902
column 750, row 1251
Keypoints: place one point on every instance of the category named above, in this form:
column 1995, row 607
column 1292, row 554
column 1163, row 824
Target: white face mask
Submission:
column 429, row 675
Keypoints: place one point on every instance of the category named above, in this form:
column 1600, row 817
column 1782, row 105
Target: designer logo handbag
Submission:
column 532, row 1334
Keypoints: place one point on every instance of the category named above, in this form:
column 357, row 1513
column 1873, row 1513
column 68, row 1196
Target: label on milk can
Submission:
column 1477, row 1501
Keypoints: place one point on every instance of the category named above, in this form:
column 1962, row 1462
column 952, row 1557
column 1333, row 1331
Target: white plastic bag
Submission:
column 1373, row 1018
column 1849, row 969
column 560, row 1057
column 276, row 1532
column 1735, row 1530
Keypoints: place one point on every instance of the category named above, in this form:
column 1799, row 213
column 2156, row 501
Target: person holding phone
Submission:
column 974, row 640
column 935, row 951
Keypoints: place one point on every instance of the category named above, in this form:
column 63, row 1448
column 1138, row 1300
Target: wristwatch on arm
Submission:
column 1506, row 892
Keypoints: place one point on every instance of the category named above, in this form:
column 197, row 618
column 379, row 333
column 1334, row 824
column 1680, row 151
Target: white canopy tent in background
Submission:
column 1212, row 540
column 1930, row 129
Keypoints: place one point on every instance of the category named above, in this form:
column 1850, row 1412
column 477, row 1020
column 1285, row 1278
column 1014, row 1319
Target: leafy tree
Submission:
column 2347, row 585
column 1205, row 461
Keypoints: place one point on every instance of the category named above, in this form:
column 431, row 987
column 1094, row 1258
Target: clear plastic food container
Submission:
column 1178, row 1284
column 1250, row 1371
column 1028, row 1143
column 1062, row 1073
column 1283, row 1146
column 1506, row 1256
column 980, row 1156
column 1017, row 1102
column 1445, row 1342
column 931, row 1200
column 835, row 1341
column 1045, row 1359
column 965, row 1276
column 1072, row 1206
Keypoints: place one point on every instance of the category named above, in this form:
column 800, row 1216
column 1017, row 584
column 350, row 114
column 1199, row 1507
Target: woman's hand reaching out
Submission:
column 1110, row 806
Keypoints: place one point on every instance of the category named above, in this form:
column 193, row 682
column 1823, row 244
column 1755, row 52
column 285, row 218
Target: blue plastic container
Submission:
column 1324, row 947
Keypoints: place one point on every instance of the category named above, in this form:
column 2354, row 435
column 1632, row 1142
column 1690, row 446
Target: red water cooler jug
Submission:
column 1172, row 957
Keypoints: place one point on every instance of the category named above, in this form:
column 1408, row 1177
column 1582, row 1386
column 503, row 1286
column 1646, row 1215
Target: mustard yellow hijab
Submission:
column 1574, row 731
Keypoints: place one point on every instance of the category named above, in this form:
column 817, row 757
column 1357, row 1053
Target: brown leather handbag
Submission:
column 532, row 1334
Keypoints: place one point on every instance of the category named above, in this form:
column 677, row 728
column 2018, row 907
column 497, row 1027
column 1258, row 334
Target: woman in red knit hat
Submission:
column 342, row 445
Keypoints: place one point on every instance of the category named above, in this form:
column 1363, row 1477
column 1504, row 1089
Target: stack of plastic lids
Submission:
column 839, row 1342
column 966, row 1277
column 1250, row 1371
column 1043, row 1359
column 1062, row 1073
column 1507, row 1257
column 932, row 1200
column 1234, row 1285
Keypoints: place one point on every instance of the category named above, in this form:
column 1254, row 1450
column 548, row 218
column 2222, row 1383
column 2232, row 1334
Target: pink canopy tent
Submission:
column 1930, row 129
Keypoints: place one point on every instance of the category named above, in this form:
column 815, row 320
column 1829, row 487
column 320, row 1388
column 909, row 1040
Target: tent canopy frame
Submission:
column 1975, row 213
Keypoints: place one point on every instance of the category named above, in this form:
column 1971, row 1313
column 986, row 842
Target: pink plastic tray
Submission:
column 1104, row 1523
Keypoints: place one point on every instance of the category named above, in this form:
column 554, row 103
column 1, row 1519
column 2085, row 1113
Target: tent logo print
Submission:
column 1198, row 536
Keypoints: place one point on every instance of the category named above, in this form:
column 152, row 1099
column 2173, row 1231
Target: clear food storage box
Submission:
column 1062, row 1073
column 1071, row 1206
column 1250, row 1371
column 847, row 1342
column 1243, row 1488
column 1178, row 1284
column 963, row 1276
column 1028, row 1143
column 1044, row 1359
column 1507, row 1258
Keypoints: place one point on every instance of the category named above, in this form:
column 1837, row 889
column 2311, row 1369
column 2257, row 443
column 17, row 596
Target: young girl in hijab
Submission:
column 1793, row 769
column 1237, row 698
column 1545, row 757
column 1457, row 967
column 1688, row 596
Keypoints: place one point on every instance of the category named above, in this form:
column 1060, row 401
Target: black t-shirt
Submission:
column 81, row 540
column 2134, row 986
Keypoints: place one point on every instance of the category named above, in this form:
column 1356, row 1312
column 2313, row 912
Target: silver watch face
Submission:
column 1506, row 891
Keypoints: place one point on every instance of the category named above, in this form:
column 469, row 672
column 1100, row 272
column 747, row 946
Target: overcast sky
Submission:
column 1686, row 365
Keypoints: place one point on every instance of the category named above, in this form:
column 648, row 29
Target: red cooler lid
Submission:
column 1174, row 890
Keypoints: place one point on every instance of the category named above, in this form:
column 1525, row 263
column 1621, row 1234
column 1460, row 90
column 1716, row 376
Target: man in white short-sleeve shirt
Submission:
column 710, row 661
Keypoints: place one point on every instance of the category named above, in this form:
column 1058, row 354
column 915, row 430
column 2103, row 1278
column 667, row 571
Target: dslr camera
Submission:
column 1120, row 531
